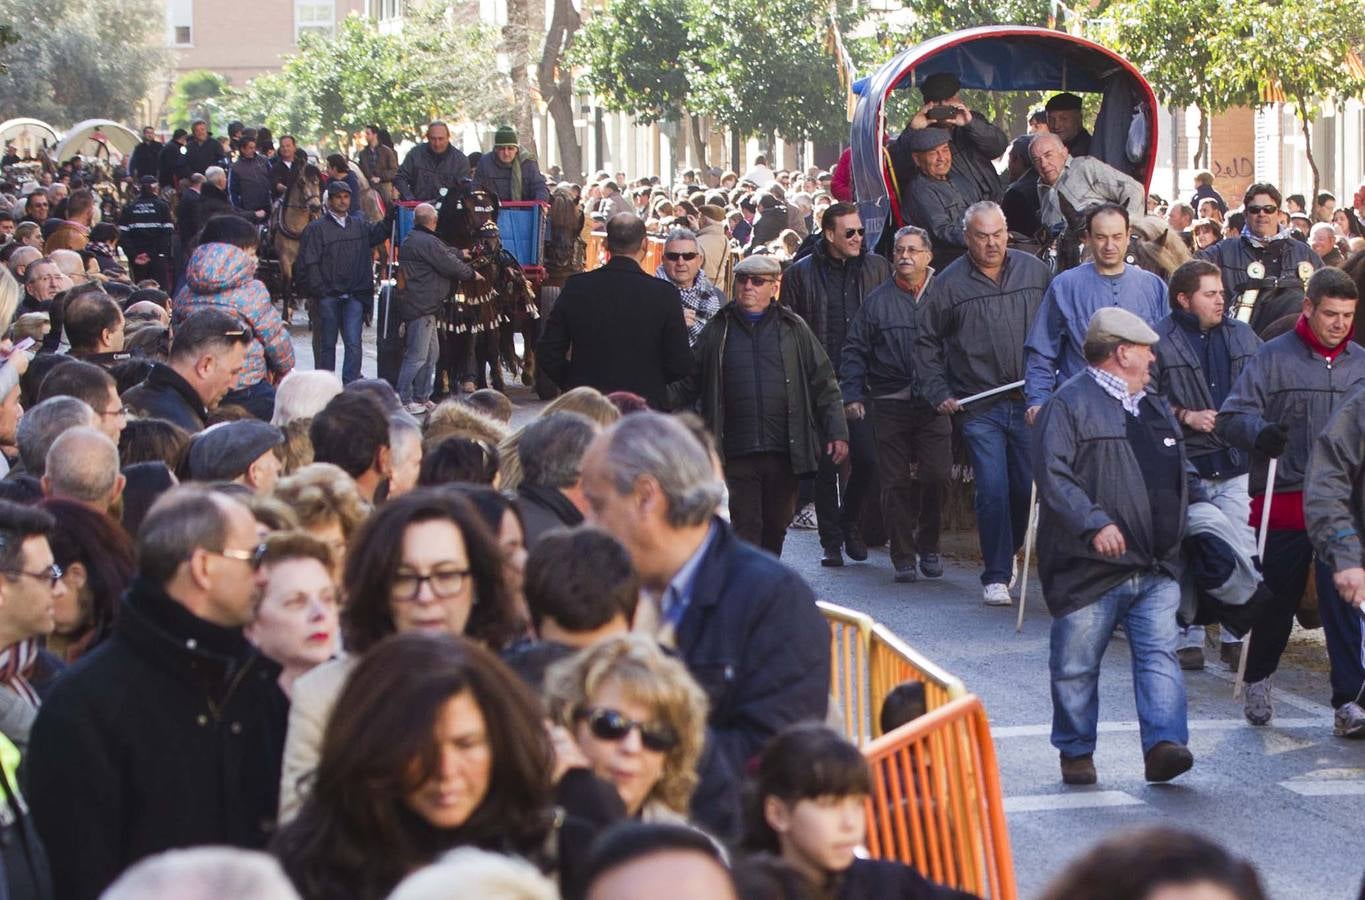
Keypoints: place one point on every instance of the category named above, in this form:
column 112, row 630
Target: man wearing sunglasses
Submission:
column 768, row 394
column 683, row 266
column 171, row 731
column 826, row 288
column 30, row 583
column 1263, row 267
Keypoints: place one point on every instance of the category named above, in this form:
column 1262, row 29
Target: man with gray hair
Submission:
column 683, row 264
column 551, row 452
column 83, row 465
column 43, row 424
column 204, row 873
column 746, row 625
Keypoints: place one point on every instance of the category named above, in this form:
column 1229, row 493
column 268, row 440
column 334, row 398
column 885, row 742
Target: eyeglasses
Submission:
column 444, row 583
column 252, row 557
column 611, row 725
column 850, row 232
column 907, row 251
column 674, row 257
column 117, row 411
column 52, row 574
column 1267, row 210
column 755, row 280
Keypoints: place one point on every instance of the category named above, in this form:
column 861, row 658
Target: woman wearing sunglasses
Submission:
column 639, row 720
column 423, row 562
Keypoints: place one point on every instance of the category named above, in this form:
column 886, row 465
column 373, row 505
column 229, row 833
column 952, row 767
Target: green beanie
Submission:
column 505, row 136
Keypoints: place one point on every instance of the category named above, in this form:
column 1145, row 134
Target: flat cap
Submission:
column 1115, row 324
column 759, row 264
column 226, row 450
column 338, row 186
column 922, row 139
column 1064, row 100
column 939, row 87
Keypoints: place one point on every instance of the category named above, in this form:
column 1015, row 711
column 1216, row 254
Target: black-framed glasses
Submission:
column 673, row 256
column 612, row 725
column 52, row 574
column 755, row 280
column 850, row 232
column 251, row 557
column 444, row 583
column 1267, row 210
column 116, row 411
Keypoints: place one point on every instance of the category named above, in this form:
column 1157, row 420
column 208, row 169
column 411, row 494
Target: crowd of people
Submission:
column 367, row 639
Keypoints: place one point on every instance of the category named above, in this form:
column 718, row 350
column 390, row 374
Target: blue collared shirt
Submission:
column 677, row 596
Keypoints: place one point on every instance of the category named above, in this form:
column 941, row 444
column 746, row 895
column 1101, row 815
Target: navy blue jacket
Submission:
column 336, row 260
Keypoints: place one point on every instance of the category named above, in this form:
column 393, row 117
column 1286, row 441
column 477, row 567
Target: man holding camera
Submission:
column 974, row 141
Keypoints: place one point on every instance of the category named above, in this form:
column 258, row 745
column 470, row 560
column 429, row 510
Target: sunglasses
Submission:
column 674, row 257
column 252, row 557
column 850, row 232
column 756, row 280
column 611, row 725
column 1267, row 210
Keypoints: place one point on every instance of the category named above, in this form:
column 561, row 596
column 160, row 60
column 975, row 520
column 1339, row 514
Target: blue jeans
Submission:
column 1146, row 604
column 344, row 312
column 421, row 350
column 998, row 445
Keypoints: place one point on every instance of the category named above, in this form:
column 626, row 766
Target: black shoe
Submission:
column 930, row 566
column 1167, row 760
column 1231, row 655
column 1191, row 658
column 853, row 543
column 1079, row 769
column 832, row 558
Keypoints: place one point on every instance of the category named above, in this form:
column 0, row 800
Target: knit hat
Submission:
column 505, row 136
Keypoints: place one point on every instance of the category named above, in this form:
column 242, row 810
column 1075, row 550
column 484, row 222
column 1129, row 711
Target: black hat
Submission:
column 147, row 180
column 922, row 139
column 939, row 87
column 1063, row 101
column 338, row 186
column 226, row 450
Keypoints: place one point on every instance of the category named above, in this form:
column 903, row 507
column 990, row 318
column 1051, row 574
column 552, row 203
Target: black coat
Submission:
column 169, row 734
column 146, row 160
column 879, row 879
column 167, row 395
column 616, row 329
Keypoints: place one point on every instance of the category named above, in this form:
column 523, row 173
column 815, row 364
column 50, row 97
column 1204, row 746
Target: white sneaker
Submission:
column 805, row 518
column 996, row 595
column 415, row 409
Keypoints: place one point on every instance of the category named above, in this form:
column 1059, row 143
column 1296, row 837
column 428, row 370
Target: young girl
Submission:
column 808, row 807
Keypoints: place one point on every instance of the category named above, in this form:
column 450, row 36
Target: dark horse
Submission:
column 482, row 310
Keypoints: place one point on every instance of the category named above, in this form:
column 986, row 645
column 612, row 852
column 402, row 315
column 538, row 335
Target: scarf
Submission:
column 1309, row 338
column 16, row 664
column 703, row 298
column 100, row 248
column 1259, row 242
column 522, row 157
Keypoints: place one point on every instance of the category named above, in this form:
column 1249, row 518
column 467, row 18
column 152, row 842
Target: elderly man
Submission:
column 336, row 264
column 43, row 281
column 1065, row 120
column 975, row 141
column 684, row 265
column 1180, row 218
column 1113, row 487
column 1322, row 238
column 935, row 197
column 1069, row 185
column 208, row 352
column 178, row 638
column 242, row 451
column 94, row 328
column 249, row 184
column 44, row 423
column 746, row 625
column 83, row 465
column 511, row 172
column 977, row 314
column 1073, row 297
column 550, row 495
column 430, row 168
column 213, row 195
column 1264, row 271
column 878, row 372
column 31, row 583
column 1282, row 401
column 769, row 396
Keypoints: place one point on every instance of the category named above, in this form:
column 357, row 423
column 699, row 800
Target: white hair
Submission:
column 469, row 872
column 204, row 873
column 1321, row 227
column 215, row 173
column 303, row 393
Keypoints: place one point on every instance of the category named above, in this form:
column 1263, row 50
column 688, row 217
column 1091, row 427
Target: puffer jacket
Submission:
column 224, row 276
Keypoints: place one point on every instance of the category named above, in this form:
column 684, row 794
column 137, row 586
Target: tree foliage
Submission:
column 195, row 96
column 79, row 59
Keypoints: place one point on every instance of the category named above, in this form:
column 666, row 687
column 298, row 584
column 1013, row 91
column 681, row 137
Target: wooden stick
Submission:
column 991, row 393
column 1029, row 535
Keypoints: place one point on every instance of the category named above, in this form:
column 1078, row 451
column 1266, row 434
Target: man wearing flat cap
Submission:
column 1064, row 119
column 768, row 393
column 935, row 198
column 241, row 451
column 1113, row 487
column 974, row 141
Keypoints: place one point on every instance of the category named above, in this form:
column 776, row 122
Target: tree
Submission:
column 516, row 42
column 195, row 96
column 555, row 76
column 80, row 59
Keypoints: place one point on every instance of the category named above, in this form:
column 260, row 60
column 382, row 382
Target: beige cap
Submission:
column 1114, row 324
column 759, row 264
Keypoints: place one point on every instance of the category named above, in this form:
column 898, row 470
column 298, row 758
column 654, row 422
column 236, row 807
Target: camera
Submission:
column 940, row 114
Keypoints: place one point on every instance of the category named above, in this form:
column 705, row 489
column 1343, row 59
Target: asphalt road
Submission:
column 1290, row 797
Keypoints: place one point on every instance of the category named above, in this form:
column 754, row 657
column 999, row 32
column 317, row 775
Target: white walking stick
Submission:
column 1029, row 535
column 1260, row 552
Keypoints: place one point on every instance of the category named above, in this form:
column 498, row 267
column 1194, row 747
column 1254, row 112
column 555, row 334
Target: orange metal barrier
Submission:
column 936, row 802
column 596, row 254
column 893, row 662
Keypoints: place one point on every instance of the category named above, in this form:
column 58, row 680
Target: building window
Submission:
column 179, row 23
column 314, row 17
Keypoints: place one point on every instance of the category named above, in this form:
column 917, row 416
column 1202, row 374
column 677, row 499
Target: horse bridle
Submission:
column 307, row 205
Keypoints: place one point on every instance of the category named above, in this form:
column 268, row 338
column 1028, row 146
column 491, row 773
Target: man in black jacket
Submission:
column 617, row 328
column 146, row 156
column 550, row 495
column 207, row 354
column 746, row 625
column 428, row 168
column 170, row 733
column 171, row 165
column 146, row 233
column 430, row 269
column 826, row 288
column 202, row 150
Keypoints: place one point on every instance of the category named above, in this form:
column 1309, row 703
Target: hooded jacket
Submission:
column 224, row 276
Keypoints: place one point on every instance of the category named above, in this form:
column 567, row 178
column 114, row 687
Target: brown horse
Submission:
column 301, row 204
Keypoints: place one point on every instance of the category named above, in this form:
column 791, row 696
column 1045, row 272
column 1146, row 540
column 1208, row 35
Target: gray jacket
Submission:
column 1088, row 181
column 1288, row 384
column 937, row 207
column 1088, row 477
column 423, row 174
column 1334, row 496
column 878, row 357
column 972, row 330
column 430, row 269
column 1177, row 374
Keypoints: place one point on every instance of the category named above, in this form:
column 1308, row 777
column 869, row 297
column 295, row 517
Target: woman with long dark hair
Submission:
column 423, row 562
column 96, row 558
column 435, row 744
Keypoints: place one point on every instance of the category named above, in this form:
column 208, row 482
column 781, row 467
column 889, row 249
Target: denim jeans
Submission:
column 997, row 441
column 421, row 350
column 344, row 313
column 1146, row 605
column 1230, row 496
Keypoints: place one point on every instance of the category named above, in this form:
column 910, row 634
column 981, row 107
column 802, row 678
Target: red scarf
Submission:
column 1311, row 340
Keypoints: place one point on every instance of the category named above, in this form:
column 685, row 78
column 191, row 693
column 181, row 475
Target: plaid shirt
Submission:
column 1118, row 389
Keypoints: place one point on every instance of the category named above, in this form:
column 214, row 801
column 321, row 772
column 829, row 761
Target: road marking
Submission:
column 1288, row 698
column 1076, row 800
column 1012, row 731
column 1305, row 788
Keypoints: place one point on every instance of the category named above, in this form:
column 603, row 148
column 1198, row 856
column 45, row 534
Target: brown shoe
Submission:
column 1191, row 658
column 1078, row 769
column 1167, row 760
